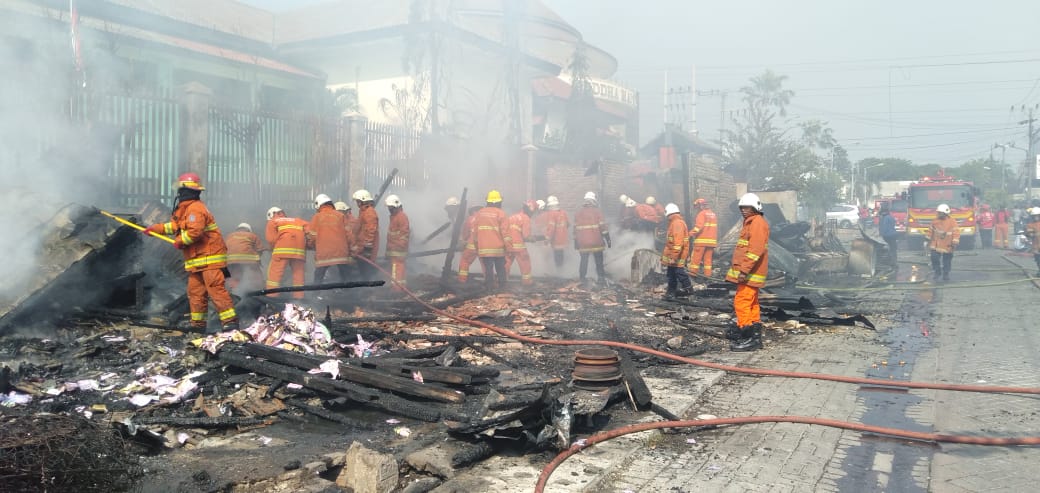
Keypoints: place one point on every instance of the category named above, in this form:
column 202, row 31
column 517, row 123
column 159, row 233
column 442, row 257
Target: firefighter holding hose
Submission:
column 197, row 236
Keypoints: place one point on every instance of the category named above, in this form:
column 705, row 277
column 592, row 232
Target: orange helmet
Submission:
column 190, row 181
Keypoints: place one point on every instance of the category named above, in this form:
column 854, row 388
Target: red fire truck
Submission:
column 927, row 193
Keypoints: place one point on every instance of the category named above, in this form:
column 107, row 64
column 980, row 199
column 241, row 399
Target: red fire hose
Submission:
column 625, row 430
column 543, row 478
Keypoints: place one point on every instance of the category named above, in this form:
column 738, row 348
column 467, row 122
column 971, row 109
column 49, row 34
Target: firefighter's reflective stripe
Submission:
column 283, row 227
column 743, row 243
column 487, row 228
column 169, row 228
column 243, row 258
column 752, row 256
column 288, row 251
column 733, row 273
column 197, row 317
column 756, row 278
column 705, row 242
column 588, row 226
column 227, row 314
column 205, row 261
column 491, row 251
column 396, row 253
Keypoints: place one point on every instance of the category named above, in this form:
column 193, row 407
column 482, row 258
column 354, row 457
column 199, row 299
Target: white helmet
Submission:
column 590, row 197
column 671, row 209
column 623, row 198
column 541, row 204
column 943, row 208
column 393, row 201
column 1035, row 211
column 631, row 203
column 245, row 226
column 452, row 201
column 650, row 200
column 750, row 200
column 552, row 201
column 362, row 195
column 341, row 206
column 272, row 211
column 321, row 199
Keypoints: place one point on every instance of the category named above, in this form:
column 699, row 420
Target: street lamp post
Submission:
column 866, row 191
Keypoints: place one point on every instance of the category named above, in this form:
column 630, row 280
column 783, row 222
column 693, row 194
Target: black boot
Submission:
column 684, row 293
column 946, row 276
column 751, row 338
column 669, row 295
column 733, row 332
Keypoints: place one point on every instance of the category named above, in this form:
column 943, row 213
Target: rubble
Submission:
column 368, row 471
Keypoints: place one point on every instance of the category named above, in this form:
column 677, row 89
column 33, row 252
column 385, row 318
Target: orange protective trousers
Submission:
column 523, row 259
column 204, row 286
column 397, row 273
column 745, row 304
column 276, row 270
column 469, row 255
column 701, row 254
column 1000, row 235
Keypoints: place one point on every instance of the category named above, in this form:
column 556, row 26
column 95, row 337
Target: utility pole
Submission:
column 1031, row 162
column 680, row 103
column 722, row 112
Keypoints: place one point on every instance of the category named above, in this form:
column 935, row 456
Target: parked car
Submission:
column 844, row 215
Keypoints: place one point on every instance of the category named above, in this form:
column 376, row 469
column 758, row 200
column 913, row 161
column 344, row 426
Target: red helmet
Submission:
column 190, row 181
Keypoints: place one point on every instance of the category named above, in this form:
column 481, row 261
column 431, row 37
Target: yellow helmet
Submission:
column 493, row 197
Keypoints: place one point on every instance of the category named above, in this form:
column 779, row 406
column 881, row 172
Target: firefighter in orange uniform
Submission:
column 658, row 208
column 1033, row 232
column 469, row 251
column 288, row 239
column 328, row 229
column 489, row 236
column 398, row 234
column 591, row 238
column 704, row 237
column 556, row 226
column 244, row 249
column 748, row 270
column 647, row 217
column 943, row 236
column 519, row 234
column 205, row 255
column 366, row 239
column 676, row 251
column 1000, row 230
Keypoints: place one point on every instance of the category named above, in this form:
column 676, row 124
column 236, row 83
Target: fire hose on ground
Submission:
column 607, row 435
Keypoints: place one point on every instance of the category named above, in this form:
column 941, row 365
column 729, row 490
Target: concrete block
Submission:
column 368, row 471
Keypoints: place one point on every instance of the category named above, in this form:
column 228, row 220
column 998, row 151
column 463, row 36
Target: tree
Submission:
column 756, row 148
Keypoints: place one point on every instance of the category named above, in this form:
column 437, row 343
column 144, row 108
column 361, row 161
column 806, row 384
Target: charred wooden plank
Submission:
column 327, row 415
column 370, row 397
column 355, row 374
column 472, row 452
column 203, row 422
column 317, row 287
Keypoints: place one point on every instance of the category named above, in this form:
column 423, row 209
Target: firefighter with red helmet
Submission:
column 196, row 234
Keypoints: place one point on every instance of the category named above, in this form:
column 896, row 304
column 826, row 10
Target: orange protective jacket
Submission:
column 1033, row 232
column 331, row 242
column 288, row 237
column 490, row 232
column 589, row 228
column 194, row 227
column 677, row 243
column 243, row 247
column 647, row 213
column 943, row 235
column 353, row 225
column 705, row 230
column 556, row 225
column 398, row 235
column 751, row 255
column 659, row 209
column 368, row 231
column 540, row 223
column 519, row 231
